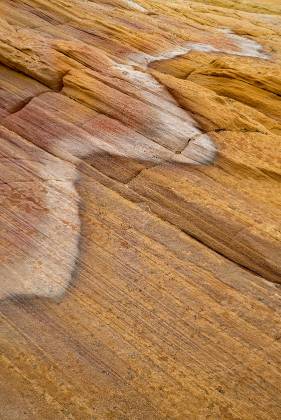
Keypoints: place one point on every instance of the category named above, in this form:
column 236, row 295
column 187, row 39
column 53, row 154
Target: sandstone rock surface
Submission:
column 140, row 209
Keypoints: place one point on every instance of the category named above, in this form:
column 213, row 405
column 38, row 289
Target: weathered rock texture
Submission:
column 140, row 168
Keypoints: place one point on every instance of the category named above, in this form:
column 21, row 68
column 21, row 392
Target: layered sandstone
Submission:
column 140, row 209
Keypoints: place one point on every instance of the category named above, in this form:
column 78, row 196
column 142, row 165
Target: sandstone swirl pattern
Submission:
column 140, row 167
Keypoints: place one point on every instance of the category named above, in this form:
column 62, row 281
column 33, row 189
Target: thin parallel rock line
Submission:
column 193, row 284
column 35, row 344
column 216, row 251
column 37, row 388
column 194, row 237
column 202, row 269
column 252, row 325
column 235, row 76
column 139, row 131
column 235, row 316
column 153, row 330
column 154, row 361
column 123, row 337
column 142, row 99
column 159, row 368
column 66, row 338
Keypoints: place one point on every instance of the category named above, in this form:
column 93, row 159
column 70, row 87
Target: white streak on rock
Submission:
column 200, row 148
column 171, row 118
column 47, row 267
column 247, row 47
column 134, row 5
